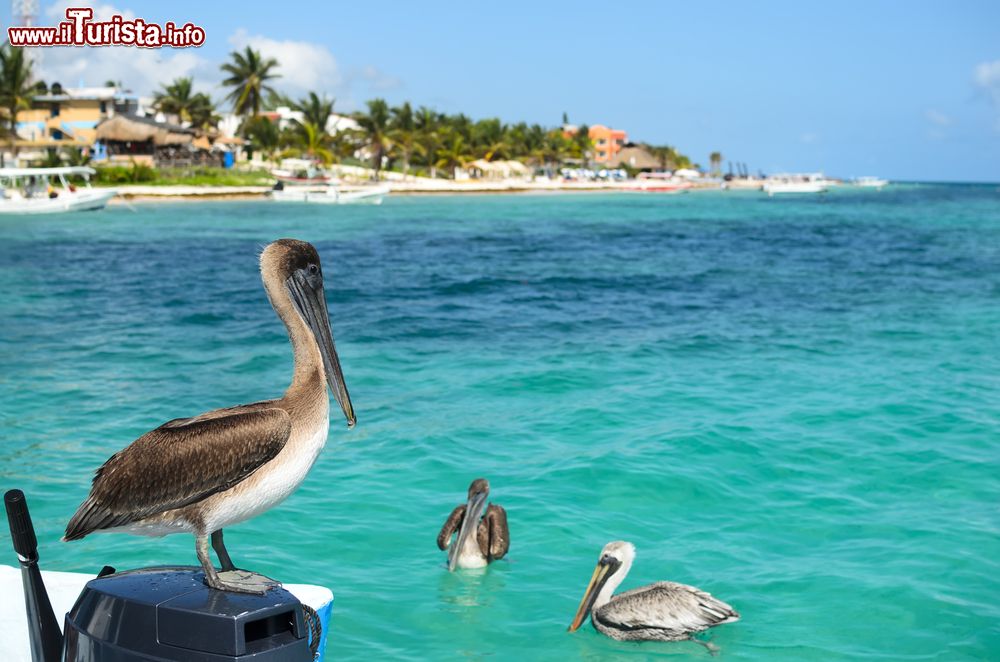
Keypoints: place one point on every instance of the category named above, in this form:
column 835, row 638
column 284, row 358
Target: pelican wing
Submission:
column 493, row 535
column 451, row 525
column 672, row 610
column 179, row 463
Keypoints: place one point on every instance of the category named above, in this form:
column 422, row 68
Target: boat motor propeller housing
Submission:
column 161, row 614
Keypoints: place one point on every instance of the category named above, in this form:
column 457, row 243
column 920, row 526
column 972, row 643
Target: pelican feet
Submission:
column 712, row 649
column 241, row 581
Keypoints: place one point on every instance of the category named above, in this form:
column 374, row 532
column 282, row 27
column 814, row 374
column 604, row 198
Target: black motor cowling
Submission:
column 170, row 614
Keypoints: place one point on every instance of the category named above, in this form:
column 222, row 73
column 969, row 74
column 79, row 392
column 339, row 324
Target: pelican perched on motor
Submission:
column 491, row 539
column 664, row 611
column 208, row 472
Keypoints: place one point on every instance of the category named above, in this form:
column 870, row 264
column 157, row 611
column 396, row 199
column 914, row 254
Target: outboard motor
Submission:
column 165, row 613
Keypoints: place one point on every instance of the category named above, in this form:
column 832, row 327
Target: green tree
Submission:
column 582, row 144
column 375, row 125
column 315, row 110
column 455, row 153
column 263, row 135
column 178, row 98
column 17, row 89
column 715, row 159
column 313, row 141
column 249, row 74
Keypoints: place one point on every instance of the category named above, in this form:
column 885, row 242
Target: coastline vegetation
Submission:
column 411, row 140
column 140, row 173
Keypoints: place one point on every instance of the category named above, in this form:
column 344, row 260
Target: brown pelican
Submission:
column 492, row 538
column 205, row 473
column 664, row 611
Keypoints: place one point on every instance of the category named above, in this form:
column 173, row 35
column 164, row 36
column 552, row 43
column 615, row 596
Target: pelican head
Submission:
column 292, row 275
column 614, row 563
column 479, row 492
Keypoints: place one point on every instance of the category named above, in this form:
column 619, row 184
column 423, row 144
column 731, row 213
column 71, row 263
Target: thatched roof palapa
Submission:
column 132, row 128
column 634, row 157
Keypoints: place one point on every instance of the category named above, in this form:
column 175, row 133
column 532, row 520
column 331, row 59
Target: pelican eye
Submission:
column 313, row 269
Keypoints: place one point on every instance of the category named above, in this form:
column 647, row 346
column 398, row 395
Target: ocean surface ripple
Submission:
column 793, row 404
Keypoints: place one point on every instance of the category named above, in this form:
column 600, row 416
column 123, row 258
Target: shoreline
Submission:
column 140, row 193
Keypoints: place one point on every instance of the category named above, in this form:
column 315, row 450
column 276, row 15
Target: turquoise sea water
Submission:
column 791, row 403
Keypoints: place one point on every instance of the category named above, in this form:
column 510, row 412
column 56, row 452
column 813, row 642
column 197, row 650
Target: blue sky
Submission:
column 907, row 90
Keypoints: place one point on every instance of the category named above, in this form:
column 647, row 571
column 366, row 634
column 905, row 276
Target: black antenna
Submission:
column 43, row 629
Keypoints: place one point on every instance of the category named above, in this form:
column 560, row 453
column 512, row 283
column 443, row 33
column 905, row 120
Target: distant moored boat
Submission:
column 47, row 191
column 870, row 182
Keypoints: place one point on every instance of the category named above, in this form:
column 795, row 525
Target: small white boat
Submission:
column 48, row 191
column 657, row 182
column 301, row 177
column 332, row 195
column 870, row 182
column 809, row 183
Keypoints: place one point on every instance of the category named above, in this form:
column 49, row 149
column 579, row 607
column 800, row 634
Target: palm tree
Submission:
column 344, row 143
column 248, row 76
column 313, row 141
column 455, row 153
column 582, row 144
column 715, row 158
column 202, row 112
column 315, row 110
column 273, row 99
column 263, row 135
column 404, row 135
column 375, row 125
column 16, row 88
column 426, row 123
column 178, row 99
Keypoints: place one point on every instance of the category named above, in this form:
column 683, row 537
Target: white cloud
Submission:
column 937, row 117
column 987, row 77
column 304, row 66
column 378, row 80
column 140, row 70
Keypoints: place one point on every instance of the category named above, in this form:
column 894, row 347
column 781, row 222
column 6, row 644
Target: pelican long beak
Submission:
column 470, row 523
column 601, row 573
column 311, row 304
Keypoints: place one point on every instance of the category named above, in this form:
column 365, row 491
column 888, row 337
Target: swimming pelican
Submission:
column 208, row 472
column 664, row 611
column 492, row 538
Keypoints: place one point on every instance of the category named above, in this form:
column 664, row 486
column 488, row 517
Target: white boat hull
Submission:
column 793, row 187
column 333, row 196
column 871, row 182
column 80, row 200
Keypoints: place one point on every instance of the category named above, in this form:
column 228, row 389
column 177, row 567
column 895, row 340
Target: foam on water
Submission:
column 792, row 404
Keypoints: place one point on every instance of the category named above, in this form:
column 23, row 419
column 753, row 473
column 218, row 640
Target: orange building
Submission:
column 607, row 142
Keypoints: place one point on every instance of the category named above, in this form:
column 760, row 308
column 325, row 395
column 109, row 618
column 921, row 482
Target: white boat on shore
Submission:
column 332, row 195
column 48, row 191
column 657, row 182
column 795, row 183
column 870, row 182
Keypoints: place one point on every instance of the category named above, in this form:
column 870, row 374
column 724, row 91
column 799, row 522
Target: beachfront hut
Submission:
column 142, row 139
column 498, row 170
column 636, row 158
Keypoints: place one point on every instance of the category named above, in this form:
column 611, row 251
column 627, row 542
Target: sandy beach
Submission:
column 411, row 187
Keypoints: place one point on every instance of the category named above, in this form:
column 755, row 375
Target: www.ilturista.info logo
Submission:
column 80, row 30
